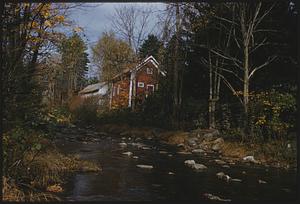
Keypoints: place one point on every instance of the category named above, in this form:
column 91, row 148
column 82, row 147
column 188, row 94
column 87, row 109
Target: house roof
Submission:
column 149, row 59
column 92, row 88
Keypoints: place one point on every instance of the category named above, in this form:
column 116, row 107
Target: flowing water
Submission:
column 121, row 180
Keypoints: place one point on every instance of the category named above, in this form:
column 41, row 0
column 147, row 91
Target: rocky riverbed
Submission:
column 141, row 167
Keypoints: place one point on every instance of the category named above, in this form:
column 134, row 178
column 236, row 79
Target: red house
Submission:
column 134, row 85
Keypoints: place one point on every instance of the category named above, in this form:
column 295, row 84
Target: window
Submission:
column 149, row 70
column 141, row 84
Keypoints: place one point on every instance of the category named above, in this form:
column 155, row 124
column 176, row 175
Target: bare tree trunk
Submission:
column 246, row 91
column 210, row 113
column 133, row 100
column 246, row 37
column 175, row 76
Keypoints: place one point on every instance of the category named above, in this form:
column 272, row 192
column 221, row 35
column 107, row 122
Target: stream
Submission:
column 169, row 179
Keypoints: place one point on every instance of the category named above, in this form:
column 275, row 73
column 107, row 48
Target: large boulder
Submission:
column 218, row 141
column 199, row 166
column 250, row 159
column 192, row 141
column 189, row 162
column 217, row 144
column 143, row 166
column 198, row 151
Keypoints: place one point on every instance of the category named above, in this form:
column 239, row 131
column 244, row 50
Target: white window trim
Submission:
column 141, row 84
column 149, row 70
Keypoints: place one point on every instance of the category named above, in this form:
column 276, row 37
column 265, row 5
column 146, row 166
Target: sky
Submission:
column 94, row 18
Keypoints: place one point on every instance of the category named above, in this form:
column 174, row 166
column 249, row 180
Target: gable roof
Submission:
column 92, row 88
column 149, row 59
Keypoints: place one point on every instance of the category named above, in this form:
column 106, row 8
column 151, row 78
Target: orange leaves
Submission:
column 60, row 18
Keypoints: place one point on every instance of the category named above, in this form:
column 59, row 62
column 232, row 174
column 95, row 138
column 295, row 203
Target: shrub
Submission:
column 86, row 112
column 120, row 116
column 194, row 113
column 16, row 144
column 272, row 114
column 59, row 115
column 154, row 113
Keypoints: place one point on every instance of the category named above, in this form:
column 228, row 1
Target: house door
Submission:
column 150, row 89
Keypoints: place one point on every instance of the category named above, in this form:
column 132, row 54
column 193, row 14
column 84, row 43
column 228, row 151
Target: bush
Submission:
column 272, row 114
column 194, row 113
column 16, row 144
column 60, row 115
column 120, row 116
column 86, row 111
column 154, row 113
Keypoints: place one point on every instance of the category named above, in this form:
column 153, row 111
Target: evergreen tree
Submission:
column 74, row 63
column 151, row 46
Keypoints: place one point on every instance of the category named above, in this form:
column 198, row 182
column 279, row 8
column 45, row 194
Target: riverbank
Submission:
column 43, row 175
column 279, row 154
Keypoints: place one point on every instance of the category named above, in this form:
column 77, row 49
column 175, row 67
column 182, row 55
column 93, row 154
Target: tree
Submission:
column 245, row 41
column 28, row 30
column 172, row 32
column 151, row 46
column 74, row 63
column 112, row 56
column 132, row 24
column 207, row 33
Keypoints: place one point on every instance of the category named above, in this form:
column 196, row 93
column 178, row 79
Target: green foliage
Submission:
column 194, row 113
column 273, row 114
column 58, row 115
column 16, row 144
column 74, row 61
column 153, row 112
column 151, row 46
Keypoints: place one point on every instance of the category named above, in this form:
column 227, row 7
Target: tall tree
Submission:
column 112, row 56
column 151, row 46
column 27, row 31
column 74, row 62
column 246, row 40
column 132, row 23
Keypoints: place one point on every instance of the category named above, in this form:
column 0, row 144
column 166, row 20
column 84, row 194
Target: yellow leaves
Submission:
column 26, row 4
column 55, row 188
column 261, row 120
column 48, row 23
column 78, row 29
column 34, row 24
column 60, row 18
column 267, row 103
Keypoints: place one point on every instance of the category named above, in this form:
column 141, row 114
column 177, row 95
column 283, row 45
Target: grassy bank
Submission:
column 33, row 168
column 43, row 176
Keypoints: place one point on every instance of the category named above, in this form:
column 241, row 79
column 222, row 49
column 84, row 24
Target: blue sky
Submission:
column 94, row 19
